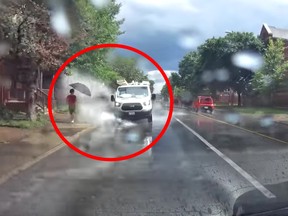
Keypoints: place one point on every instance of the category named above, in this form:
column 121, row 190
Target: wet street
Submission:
column 199, row 167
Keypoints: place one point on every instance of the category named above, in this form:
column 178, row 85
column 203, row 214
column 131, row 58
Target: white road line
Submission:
column 242, row 172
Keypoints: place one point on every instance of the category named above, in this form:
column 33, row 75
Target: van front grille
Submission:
column 132, row 106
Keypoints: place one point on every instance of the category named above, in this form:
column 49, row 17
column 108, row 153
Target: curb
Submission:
column 34, row 161
column 77, row 135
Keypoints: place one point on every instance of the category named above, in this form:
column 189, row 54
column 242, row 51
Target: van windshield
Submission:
column 132, row 91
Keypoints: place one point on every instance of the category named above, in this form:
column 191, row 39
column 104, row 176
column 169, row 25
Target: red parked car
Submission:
column 203, row 103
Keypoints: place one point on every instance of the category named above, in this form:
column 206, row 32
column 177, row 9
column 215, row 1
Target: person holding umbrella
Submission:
column 71, row 101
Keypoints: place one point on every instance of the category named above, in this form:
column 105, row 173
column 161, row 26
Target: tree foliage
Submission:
column 152, row 83
column 211, row 65
column 190, row 72
column 98, row 26
column 128, row 69
column 176, row 84
column 164, row 92
column 25, row 27
column 178, row 92
column 269, row 78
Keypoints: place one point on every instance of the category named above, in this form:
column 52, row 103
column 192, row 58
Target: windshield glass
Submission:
column 206, row 81
column 132, row 92
column 206, row 100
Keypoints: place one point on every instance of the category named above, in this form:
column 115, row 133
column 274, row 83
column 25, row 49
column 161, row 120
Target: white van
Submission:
column 133, row 101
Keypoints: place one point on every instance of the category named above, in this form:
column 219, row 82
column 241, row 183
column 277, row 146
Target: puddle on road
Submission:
column 123, row 139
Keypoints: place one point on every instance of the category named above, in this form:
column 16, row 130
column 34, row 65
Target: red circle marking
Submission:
column 121, row 46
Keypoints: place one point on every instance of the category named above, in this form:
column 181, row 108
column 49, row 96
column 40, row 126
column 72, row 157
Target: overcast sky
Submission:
column 168, row 29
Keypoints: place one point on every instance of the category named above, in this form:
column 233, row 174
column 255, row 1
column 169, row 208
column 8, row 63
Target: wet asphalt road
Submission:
column 181, row 175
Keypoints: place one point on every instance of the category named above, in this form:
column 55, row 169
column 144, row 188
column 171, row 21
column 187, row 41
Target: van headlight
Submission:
column 147, row 103
column 117, row 104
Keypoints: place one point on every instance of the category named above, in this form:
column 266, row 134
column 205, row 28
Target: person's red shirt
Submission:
column 71, row 100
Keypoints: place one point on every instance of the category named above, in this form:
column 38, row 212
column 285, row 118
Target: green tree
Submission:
column 127, row 68
column 241, row 77
column 97, row 26
column 190, row 72
column 199, row 69
column 176, row 84
column 25, row 27
column 164, row 92
column 175, row 80
column 270, row 77
column 152, row 83
column 178, row 92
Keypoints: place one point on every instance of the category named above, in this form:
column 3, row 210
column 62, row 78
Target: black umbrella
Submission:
column 81, row 88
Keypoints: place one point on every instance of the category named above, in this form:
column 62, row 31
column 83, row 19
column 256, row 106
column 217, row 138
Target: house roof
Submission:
column 276, row 32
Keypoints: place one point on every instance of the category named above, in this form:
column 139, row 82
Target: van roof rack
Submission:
column 124, row 82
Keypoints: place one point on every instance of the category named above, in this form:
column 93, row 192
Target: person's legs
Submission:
column 72, row 111
column 72, row 117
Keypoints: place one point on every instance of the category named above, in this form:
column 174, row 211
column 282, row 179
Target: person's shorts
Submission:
column 71, row 110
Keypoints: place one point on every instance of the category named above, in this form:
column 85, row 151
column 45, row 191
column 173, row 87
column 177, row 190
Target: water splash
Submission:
column 133, row 136
column 95, row 109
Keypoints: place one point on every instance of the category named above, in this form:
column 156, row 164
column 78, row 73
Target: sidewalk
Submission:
column 283, row 119
column 19, row 146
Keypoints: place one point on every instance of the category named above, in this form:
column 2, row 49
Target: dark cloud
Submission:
column 157, row 26
column 161, row 46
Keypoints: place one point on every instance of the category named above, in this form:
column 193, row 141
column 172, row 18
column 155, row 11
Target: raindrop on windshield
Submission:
column 186, row 96
column 207, row 76
column 267, row 80
column 232, row 118
column 4, row 48
column 266, row 122
column 133, row 136
column 248, row 60
column 111, row 57
column 145, row 65
column 99, row 3
column 5, row 81
column 189, row 39
column 60, row 22
column 222, row 75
